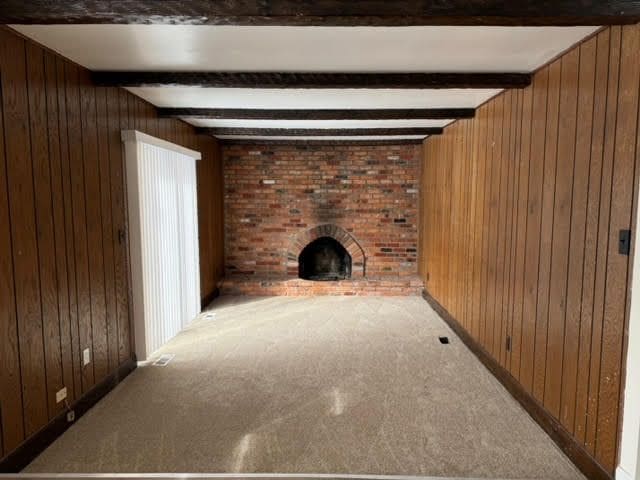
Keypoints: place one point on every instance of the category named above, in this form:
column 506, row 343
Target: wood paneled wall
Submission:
column 210, row 217
column 521, row 212
column 63, row 257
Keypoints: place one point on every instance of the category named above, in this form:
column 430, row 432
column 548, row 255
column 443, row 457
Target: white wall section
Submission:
column 629, row 466
column 163, row 234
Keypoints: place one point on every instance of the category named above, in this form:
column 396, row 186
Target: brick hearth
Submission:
column 280, row 198
column 297, row 287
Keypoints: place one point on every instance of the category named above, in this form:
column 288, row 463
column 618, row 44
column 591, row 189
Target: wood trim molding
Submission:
column 324, row 114
column 38, row 442
column 135, row 136
column 322, row 12
column 321, row 143
column 207, row 299
column 324, row 132
column 576, row 452
column 312, row 80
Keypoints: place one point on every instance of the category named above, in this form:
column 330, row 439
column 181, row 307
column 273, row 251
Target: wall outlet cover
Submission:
column 86, row 356
column 61, row 395
column 71, row 416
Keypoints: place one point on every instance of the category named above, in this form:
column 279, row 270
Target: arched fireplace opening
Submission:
column 324, row 259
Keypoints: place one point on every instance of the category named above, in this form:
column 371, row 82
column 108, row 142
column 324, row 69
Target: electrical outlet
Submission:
column 71, row 416
column 61, row 395
column 86, row 356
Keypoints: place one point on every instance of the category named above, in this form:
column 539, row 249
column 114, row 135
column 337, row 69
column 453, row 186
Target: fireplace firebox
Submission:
column 324, row 259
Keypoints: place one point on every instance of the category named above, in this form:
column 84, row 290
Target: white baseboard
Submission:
column 622, row 474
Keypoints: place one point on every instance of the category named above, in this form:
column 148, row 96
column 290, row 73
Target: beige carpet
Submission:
column 315, row 385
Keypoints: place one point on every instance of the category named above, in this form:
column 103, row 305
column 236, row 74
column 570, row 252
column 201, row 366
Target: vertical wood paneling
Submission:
column 76, row 167
column 125, row 335
column 95, row 248
column 24, row 233
column 523, row 160
column 546, row 184
column 454, row 234
column 534, row 218
column 591, row 234
column 9, row 354
column 62, row 331
column 469, row 190
column 489, row 164
column 546, row 231
column 10, row 382
column 44, row 223
column 494, row 158
column 561, row 230
column 513, row 159
column 118, row 209
column 593, row 408
column 445, row 230
column 618, row 265
column 107, row 228
column 63, row 261
column 584, row 118
column 73, row 345
column 480, row 224
column 502, row 247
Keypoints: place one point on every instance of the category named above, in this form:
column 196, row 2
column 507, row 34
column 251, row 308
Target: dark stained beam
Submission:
column 323, row 12
column 320, row 132
column 346, row 114
column 309, row 143
column 312, row 80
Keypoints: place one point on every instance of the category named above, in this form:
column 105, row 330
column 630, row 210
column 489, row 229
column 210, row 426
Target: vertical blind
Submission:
column 163, row 239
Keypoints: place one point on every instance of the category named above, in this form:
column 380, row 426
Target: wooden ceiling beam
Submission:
column 344, row 114
column 323, row 12
column 320, row 132
column 312, row 80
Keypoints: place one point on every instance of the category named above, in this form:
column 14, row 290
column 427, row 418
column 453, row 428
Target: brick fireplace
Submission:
column 282, row 201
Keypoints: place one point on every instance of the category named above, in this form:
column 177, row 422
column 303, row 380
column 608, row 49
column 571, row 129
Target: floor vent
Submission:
column 164, row 360
column 444, row 340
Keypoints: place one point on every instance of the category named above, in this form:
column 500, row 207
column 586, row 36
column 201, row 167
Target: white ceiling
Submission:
column 195, row 97
column 311, row 49
column 299, row 49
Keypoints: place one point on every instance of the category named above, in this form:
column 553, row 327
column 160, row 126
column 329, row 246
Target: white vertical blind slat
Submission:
column 168, row 252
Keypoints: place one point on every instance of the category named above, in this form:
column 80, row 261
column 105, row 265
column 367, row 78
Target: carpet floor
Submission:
column 312, row 385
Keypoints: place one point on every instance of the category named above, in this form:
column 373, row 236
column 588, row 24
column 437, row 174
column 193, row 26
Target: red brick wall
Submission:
column 274, row 193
